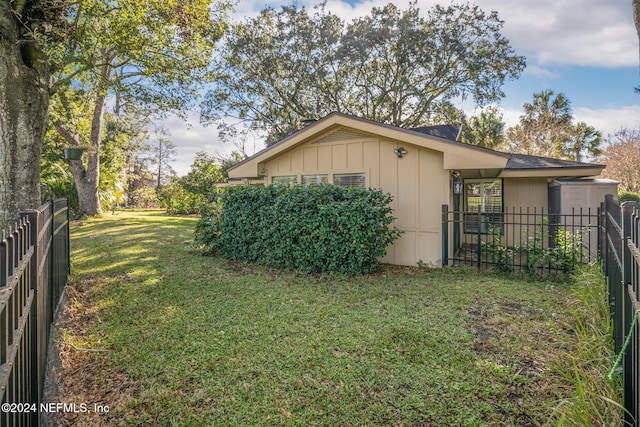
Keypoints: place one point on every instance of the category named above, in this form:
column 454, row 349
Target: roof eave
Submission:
column 250, row 166
column 582, row 171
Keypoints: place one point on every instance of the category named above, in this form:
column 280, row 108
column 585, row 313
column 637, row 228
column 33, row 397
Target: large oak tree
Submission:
column 394, row 66
column 24, row 99
column 156, row 53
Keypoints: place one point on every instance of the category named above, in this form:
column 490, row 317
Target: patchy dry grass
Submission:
column 190, row 340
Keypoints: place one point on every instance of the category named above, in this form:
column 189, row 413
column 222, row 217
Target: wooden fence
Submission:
column 619, row 228
column 34, row 268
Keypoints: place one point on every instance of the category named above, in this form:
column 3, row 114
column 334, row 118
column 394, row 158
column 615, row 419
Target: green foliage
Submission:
column 208, row 229
column 156, row 55
column 311, row 228
column 487, row 129
column 177, row 200
column 566, row 254
column 499, row 254
column 186, row 195
column 203, row 175
column 546, row 129
column 287, row 65
column 534, row 251
column 144, row 198
column 114, row 151
column 628, row 196
column 569, row 251
column 55, row 179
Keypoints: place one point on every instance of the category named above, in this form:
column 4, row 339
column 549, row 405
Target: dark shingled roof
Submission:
column 449, row 132
column 524, row 161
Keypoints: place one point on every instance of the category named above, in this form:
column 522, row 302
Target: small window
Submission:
column 286, row 180
column 350, row 180
column 483, row 204
column 315, row 179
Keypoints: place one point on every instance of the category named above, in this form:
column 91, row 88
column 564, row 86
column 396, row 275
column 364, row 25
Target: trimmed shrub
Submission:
column 207, row 232
column 313, row 228
column 628, row 196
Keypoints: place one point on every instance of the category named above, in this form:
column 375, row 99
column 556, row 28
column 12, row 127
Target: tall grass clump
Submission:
column 587, row 356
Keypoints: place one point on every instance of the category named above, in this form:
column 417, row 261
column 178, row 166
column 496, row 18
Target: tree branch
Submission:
column 19, row 6
column 71, row 138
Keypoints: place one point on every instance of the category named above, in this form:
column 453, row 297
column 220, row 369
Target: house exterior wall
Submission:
column 418, row 183
column 522, row 195
column 524, row 200
column 526, row 193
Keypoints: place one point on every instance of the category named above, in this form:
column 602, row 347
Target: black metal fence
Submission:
column 619, row 229
column 519, row 240
column 34, row 268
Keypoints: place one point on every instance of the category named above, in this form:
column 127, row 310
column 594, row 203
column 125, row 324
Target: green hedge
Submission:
column 628, row 196
column 313, row 228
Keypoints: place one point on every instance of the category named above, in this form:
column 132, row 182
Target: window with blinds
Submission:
column 315, row 179
column 285, row 180
column 483, row 204
column 350, row 180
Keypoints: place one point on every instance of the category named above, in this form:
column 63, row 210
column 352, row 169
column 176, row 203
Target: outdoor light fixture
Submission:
column 457, row 183
column 400, row 151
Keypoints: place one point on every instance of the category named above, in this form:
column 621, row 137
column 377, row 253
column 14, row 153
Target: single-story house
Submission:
column 422, row 168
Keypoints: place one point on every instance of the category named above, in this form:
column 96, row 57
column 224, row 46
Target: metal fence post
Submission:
column 445, row 235
column 479, row 241
column 36, row 381
column 629, row 308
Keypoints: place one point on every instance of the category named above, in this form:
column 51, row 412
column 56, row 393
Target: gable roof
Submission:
column 443, row 138
column 456, row 154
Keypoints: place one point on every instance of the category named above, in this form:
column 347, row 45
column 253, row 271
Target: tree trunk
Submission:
column 87, row 178
column 88, row 194
column 24, row 102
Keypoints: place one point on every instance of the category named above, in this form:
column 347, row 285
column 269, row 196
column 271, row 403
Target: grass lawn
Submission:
column 181, row 339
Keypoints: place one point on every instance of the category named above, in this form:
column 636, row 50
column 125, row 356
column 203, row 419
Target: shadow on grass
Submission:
column 194, row 340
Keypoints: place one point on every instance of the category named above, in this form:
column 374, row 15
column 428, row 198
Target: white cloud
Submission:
column 606, row 120
column 609, row 120
column 189, row 138
column 570, row 32
column 548, row 32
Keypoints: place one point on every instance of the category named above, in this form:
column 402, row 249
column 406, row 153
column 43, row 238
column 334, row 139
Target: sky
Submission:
column 586, row 49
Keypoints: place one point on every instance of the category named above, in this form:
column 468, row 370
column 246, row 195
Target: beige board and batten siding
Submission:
column 417, row 181
column 525, row 193
column 525, row 200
